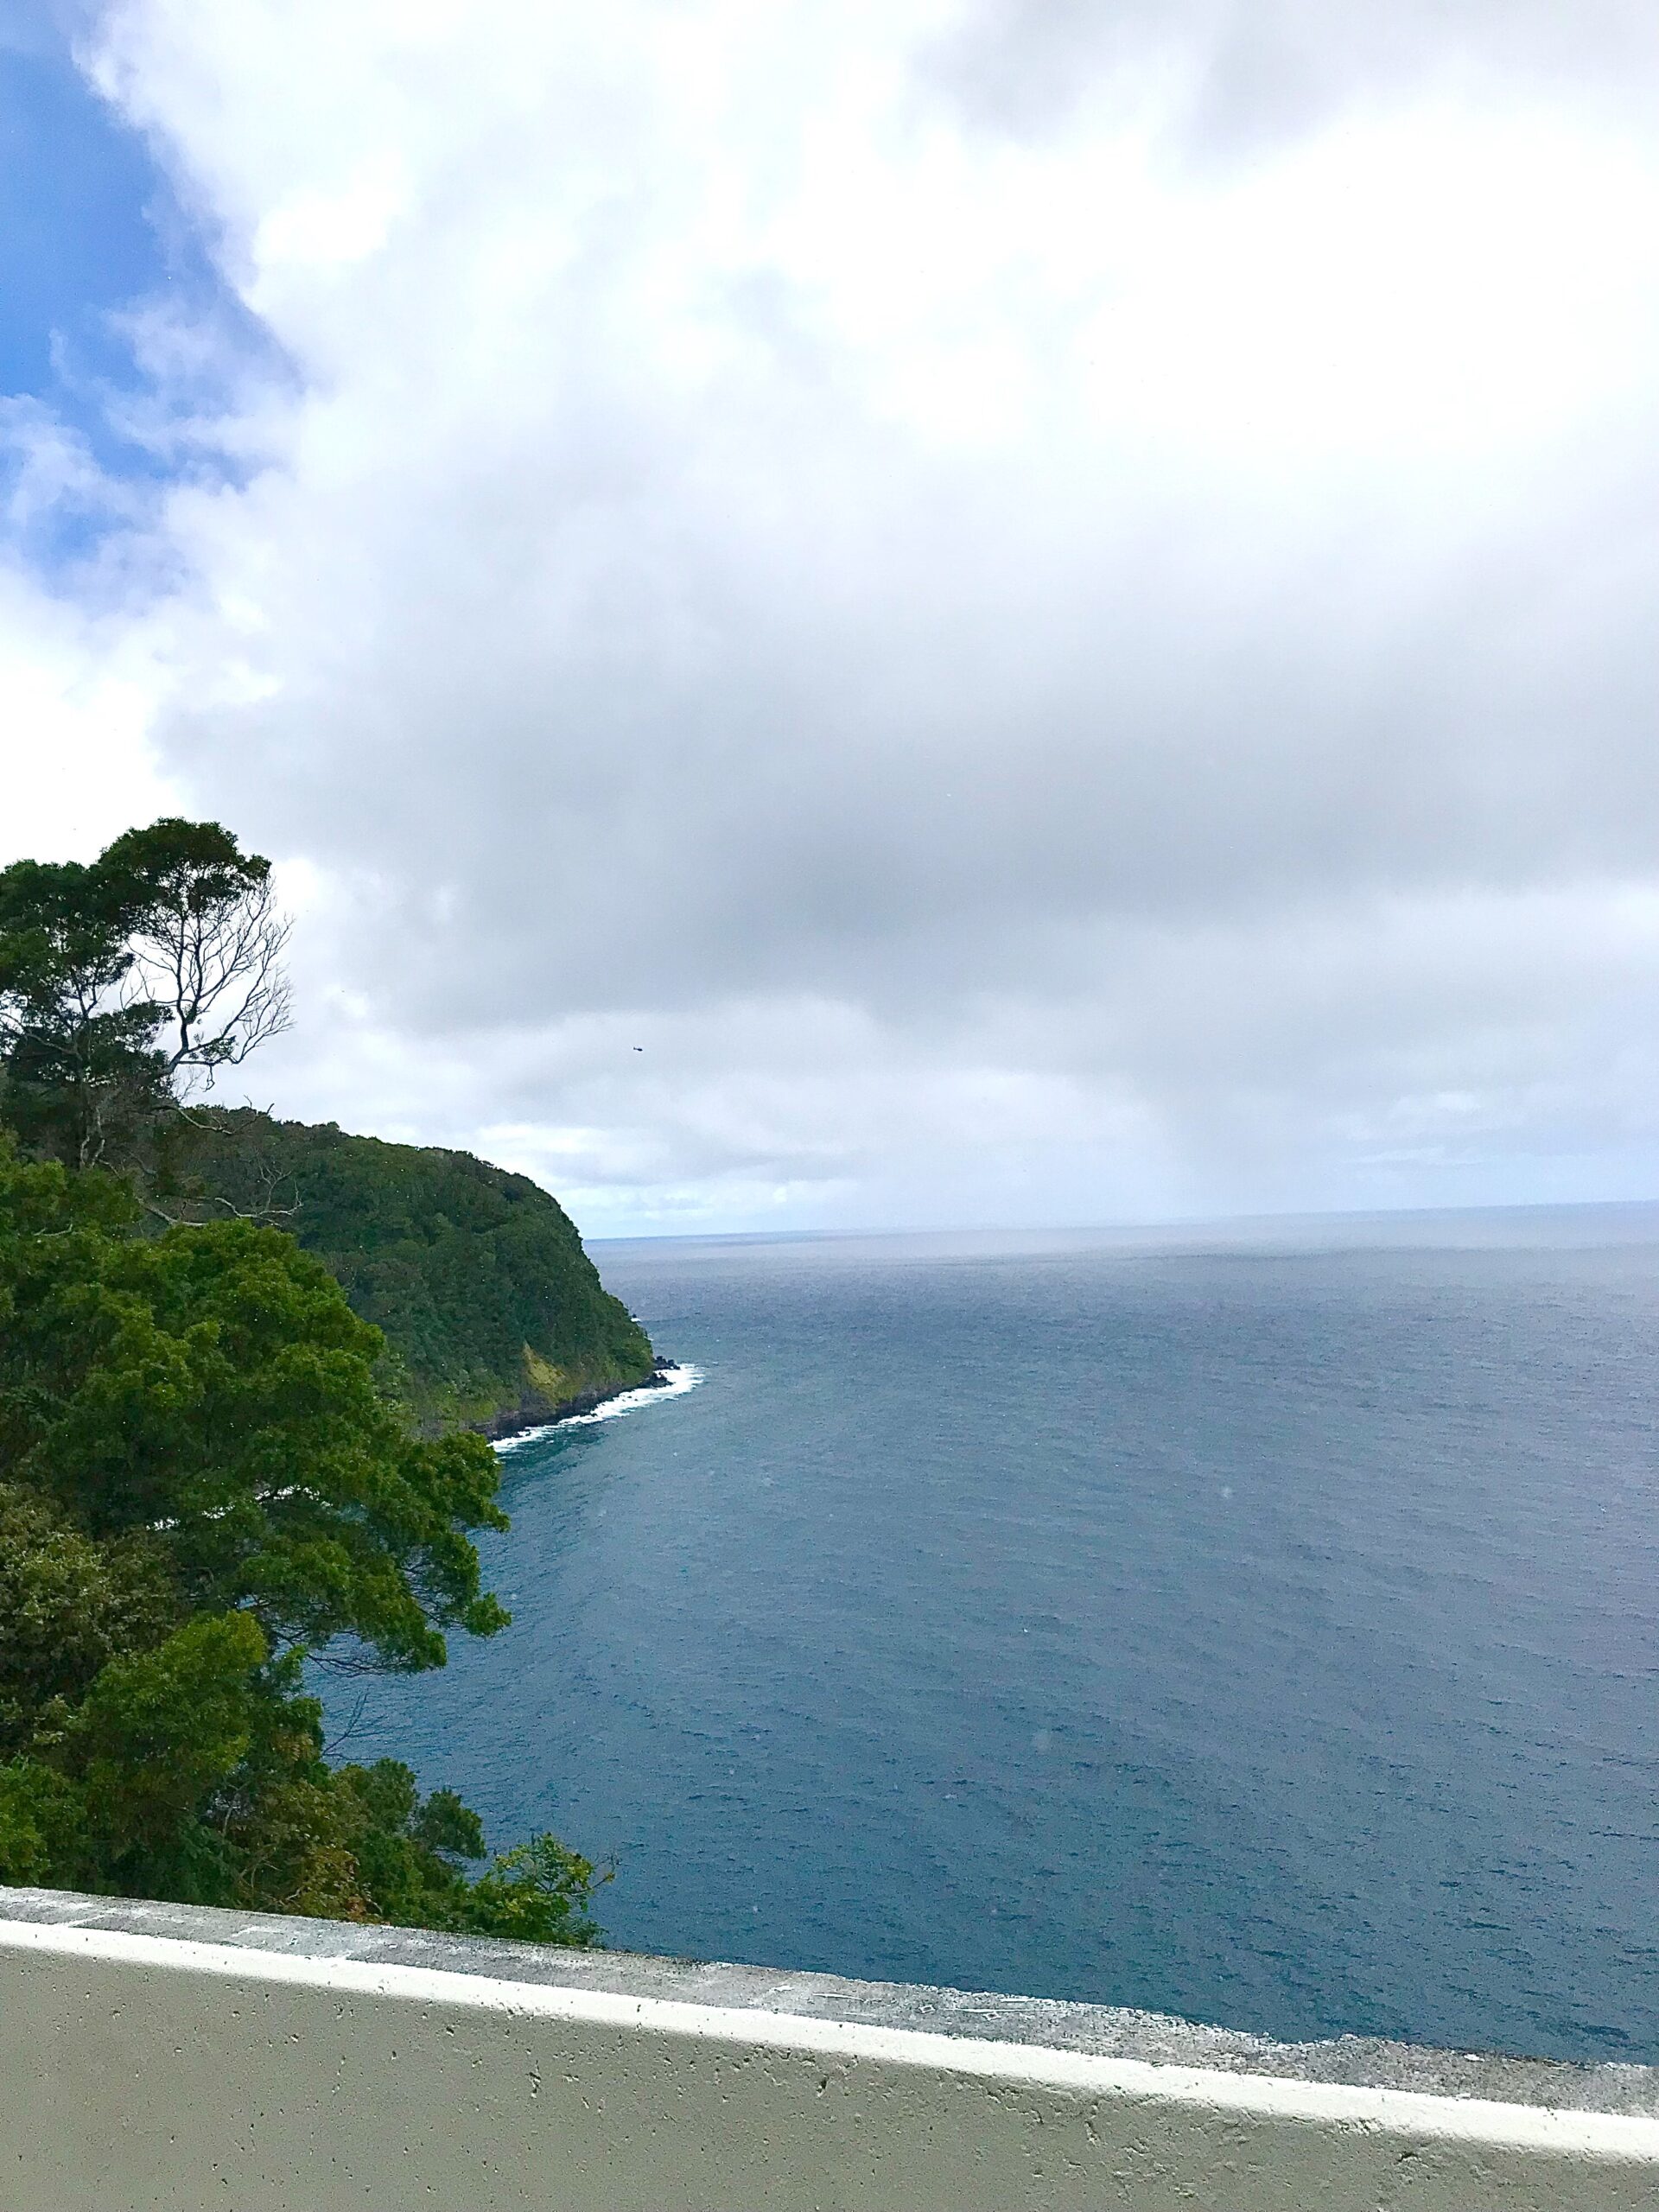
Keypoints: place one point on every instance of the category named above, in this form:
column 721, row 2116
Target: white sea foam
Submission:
column 676, row 1382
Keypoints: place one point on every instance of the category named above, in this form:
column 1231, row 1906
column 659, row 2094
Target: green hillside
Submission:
column 493, row 1314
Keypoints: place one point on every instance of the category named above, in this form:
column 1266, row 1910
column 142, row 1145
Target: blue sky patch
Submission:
column 90, row 228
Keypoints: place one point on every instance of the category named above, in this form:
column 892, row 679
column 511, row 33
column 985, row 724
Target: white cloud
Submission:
column 76, row 703
column 1082, row 661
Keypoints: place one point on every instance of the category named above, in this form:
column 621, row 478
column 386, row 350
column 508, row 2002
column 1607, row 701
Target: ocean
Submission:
column 1260, row 1625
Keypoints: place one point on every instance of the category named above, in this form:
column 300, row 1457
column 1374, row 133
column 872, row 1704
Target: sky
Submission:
column 949, row 613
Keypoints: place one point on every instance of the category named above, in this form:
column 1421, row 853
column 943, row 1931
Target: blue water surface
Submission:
column 1264, row 1632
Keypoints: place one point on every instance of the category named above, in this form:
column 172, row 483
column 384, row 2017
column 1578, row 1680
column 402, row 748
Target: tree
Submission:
column 207, row 942
column 81, row 1075
column 126, row 984
column 200, row 1492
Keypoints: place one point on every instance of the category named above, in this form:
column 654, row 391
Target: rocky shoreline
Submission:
column 523, row 1417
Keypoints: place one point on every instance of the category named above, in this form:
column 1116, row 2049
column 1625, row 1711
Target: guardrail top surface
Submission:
column 159, row 2058
column 1042, row 2022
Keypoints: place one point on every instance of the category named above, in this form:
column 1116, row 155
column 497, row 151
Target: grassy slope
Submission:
column 492, row 1312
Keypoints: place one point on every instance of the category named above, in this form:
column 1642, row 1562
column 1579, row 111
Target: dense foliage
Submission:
column 200, row 1488
column 489, row 1306
column 210, row 1478
column 127, row 981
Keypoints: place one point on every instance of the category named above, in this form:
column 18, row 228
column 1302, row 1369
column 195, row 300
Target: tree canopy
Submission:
column 200, row 1490
column 205, row 1487
column 130, row 980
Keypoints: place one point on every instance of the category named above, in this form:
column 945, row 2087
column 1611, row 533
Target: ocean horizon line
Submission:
column 1200, row 1232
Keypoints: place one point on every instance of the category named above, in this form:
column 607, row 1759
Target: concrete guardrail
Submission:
column 159, row 2056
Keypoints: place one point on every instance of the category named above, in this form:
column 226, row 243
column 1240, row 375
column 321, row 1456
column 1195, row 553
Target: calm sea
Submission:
column 1263, row 1627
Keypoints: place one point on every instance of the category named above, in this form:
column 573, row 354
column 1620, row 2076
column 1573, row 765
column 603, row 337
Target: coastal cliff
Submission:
column 494, row 1316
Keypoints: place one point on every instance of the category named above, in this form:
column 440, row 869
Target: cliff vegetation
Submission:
column 493, row 1315
column 237, row 1356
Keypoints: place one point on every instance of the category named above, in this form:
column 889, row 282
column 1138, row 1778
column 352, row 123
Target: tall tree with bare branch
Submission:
column 206, row 940
column 128, row 983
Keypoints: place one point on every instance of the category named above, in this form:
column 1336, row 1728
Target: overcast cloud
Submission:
column 1052, row 606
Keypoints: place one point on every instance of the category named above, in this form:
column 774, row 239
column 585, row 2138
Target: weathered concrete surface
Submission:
column 157, row 2055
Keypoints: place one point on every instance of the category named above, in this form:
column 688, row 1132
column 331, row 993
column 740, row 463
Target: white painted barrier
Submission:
column 159, row 2059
